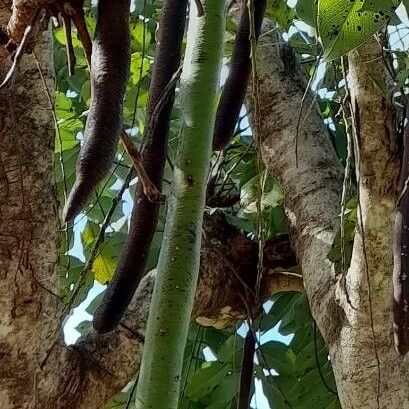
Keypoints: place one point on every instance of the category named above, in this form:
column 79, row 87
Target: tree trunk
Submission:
column 29, row 226
column 354, row 318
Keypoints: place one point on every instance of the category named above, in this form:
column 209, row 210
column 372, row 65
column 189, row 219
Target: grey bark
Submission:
column 368, row 370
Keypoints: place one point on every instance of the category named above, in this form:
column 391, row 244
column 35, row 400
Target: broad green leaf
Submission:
column 206, row 379
column 105, row 263
column 139, row 67
column 276, row 398
column 84, row 327
column 277, row 356
column 140, row 36
column 95, row 303
column 281, row 303
column 231, row 351
column 307, row 11
column 344, row 25
column 279, row 11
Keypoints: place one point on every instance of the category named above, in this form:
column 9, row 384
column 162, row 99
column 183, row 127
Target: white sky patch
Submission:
column 80, row 314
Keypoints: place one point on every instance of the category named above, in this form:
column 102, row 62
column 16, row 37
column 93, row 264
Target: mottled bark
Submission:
column 367, row 366
column 28, row 227
column 366, row 377
column 313, row 186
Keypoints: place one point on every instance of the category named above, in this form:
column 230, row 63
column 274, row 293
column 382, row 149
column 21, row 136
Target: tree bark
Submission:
column 179, row 259
column 28, row 225
column 368, row 371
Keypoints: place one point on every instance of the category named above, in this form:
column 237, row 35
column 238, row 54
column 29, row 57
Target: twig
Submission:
column 131, row 394
column 66, row 19
column 78, row 17
column 20, row 50
column 301, row 120
column 257, row 127
column 164, row 97
column 347, row 180
column 149, row 189
column 57, row 130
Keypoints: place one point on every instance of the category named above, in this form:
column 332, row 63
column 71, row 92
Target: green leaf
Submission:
column 272, row 195
column 278, row 356
column 206, row 379
column 95, row 303
column 84, row 327
column 231, row 350
column 105, row 263
column 279, row 11
column 344, row 25
column 281, row 303
column 140, row 35
column 307, row 11
column 275, row 397
column 139, row 68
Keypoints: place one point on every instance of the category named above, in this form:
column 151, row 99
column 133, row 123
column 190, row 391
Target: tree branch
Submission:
column 369, row 280
column 313, row 188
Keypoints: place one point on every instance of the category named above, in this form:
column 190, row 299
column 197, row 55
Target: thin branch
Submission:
column 164, row 98
column 69, row 47
column 20, row 50
column 78, row 17
column 149, row 189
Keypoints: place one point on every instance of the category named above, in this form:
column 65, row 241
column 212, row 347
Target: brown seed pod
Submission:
column 109, row 75
column 234, row 90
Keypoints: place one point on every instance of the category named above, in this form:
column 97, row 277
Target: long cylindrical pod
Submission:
column 401, row 255
column 246, row 374
column 234, row 90
column 110, row 63
column 144, row 217
column 178, row 267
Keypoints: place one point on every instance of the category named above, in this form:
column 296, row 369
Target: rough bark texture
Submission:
column 312, row 203
column 313, row 189
column 368, row 369
column 28, row 226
